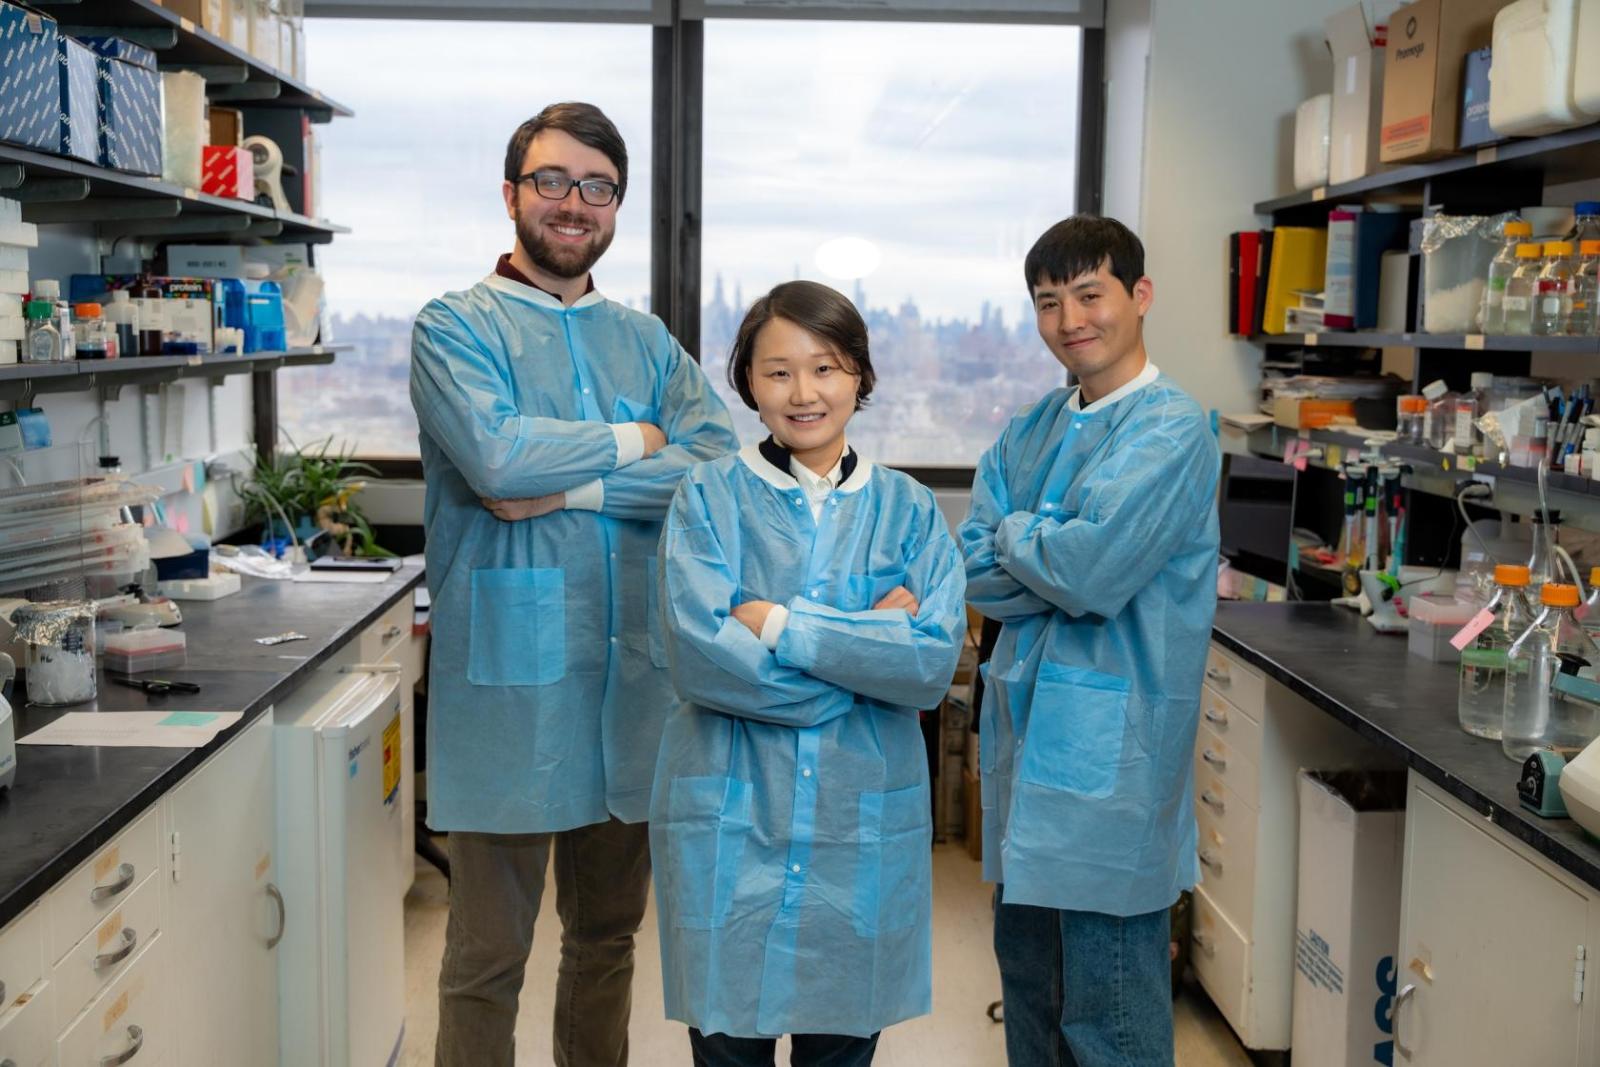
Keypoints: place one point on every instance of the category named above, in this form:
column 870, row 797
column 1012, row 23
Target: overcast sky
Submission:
column 947, row 148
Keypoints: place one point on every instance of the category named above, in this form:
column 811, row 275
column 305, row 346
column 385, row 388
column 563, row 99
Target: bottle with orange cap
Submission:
column 1584, row 318
column 1554, row 301
column 1480, row 703
column 1552, row 697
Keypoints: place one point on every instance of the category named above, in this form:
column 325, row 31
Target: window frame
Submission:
column 677, row 113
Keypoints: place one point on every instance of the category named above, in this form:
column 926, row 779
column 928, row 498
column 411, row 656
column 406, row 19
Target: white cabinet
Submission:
column 225, row 910
column 1492, row 940
column 1254, row 737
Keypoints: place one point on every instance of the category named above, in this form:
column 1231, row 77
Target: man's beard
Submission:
column 557, row 260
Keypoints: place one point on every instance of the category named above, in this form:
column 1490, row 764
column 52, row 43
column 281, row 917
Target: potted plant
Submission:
column 312, row 491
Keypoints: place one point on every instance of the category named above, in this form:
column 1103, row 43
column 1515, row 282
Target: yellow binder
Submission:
column 1299, row 258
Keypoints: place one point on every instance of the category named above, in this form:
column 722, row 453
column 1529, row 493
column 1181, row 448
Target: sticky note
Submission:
column 199, row 476
column 1299, row 463
column 1475, row 626
column 180, row 523
column 189, row 718
column 188, row 479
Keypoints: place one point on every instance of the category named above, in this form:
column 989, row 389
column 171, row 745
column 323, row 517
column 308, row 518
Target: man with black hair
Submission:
column 555, row 427
column 1093, row 539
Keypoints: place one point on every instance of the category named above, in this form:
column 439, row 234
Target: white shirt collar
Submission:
column 539, row 296
column 750, row 456
column 1150, row 373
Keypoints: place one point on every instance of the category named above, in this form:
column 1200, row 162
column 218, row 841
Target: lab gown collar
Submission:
column 540, row 298
column 751, row 456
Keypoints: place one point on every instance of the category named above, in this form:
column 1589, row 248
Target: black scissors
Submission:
column 156, row 687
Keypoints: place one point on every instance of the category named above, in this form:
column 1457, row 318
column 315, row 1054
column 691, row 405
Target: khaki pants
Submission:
column 496, row 884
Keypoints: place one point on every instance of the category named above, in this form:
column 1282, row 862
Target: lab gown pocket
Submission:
column 708, row 823
column 518, row 626
column 1075, row 731
column 894, row 878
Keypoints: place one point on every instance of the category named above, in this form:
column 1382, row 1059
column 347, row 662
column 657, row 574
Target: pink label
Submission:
column 1475, row 626
column 1580, row 611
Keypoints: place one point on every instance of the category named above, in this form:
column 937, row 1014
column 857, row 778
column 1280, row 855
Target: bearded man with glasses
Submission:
column 555, row 426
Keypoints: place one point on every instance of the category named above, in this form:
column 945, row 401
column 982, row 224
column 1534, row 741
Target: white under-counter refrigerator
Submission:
column 341, row 964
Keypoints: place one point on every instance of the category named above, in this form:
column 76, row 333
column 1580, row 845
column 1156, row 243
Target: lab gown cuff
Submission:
column 772, row 629
column 590, row 496
column 630, row 443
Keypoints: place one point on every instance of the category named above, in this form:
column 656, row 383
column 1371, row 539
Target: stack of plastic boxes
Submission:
column 80, row 101
column 30, row 86
column 16, row 237
column 130, row 106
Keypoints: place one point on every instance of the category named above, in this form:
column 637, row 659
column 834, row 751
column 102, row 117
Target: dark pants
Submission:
column 496, row 885
column 1083, row 989
column 806, row 1050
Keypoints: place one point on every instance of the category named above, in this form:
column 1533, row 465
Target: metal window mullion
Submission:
column 677, row 77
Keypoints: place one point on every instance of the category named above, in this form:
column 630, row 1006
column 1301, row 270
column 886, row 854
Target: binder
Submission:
column 1249, row 280
column 1299, row 259
column 1263, row 262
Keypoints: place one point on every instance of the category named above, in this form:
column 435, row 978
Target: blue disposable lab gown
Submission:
column 790, row 829
column 549, row 685
column 1093, row 538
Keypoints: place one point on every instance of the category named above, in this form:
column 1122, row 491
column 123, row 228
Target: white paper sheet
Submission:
column 134, row 729
column 350, row 577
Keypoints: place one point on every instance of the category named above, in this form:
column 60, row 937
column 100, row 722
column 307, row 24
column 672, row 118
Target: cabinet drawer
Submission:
column 391, row 628
column 27, row 1035
column 99, row 887
column 1221, row 958
column 1243, row 685
column 21, row 957
column 1227, row 846
column 1215, row 758
column 1229, row 723
column 131, row 1012
column 108, row 951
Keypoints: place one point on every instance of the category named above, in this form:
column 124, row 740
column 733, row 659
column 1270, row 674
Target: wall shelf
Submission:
column 1465, row 342
column 181, row 45
column 132, row 205
column 88, row 373
column 1567, row 155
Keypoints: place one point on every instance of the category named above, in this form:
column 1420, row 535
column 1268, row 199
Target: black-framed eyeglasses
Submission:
column 554, row 185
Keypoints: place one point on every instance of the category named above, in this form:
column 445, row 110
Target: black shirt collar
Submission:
column 780, row 457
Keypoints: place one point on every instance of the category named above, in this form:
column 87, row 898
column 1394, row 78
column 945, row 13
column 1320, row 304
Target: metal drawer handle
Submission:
column 1215, row 760
column 1217, row 674
column 130, row 941
column 1205, row 943
column 1210, row 860
column 135, row 1035
column 392, row 632
column 125, row 876
column 1214, row 801
column 283, row 916
column 1394, row 1017
column 1218, row 717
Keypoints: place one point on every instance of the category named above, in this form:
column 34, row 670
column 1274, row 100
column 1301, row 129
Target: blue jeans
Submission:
column 807, row 1050
column 1083, row 989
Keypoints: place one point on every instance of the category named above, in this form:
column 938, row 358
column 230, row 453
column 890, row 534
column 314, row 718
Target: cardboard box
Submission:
column 1299, row 413
column 209, row 15
column 1475, row 129
column 226, row 171
column 1357, row 95
column 227, row 126
column 1427, row 49
column 80, row 101
column 130, row 116
column 30, row 86
column 1347, row 917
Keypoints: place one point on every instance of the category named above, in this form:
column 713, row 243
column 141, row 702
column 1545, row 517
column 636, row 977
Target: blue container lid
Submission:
column 1586, row 207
